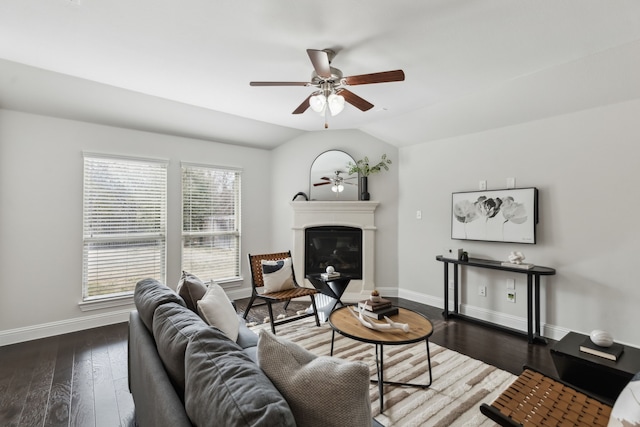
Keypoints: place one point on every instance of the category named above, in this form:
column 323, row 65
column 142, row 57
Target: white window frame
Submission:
column 117, row 222
column 221, row 269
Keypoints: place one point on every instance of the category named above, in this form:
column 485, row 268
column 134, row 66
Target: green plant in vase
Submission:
column 364, row 169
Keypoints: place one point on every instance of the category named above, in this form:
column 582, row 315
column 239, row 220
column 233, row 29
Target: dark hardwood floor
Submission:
column 80, row 379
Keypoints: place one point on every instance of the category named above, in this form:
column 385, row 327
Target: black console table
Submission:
column 533, row 293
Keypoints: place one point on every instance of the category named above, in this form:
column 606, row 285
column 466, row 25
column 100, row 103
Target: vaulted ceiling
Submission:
column 183, row 67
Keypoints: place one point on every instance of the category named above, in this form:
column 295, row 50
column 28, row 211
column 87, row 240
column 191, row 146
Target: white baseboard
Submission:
column 45, row 330
column 50, row 329
column 515, row 322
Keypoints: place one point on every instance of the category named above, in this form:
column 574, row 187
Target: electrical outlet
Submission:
column 482, row 291
column 482, row 185
column 418, row 214
column 511, row 183
column 511, row 296
column 450, row 284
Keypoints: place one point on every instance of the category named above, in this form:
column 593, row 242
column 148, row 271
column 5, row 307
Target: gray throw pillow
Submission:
column 173, row 326
column 191, row 289
column 224, row 387
column 148, row 295
column 321, row 390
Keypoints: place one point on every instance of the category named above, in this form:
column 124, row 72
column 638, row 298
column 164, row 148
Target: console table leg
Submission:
column 455, row 288
column 530, row 308
column 446, row 291
column 537, row 301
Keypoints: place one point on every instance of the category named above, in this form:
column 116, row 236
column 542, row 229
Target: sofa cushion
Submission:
column 246, row 337
column 173, row 326
column 224, row 387
column 337, row 384
column 148, row 295
column 191, row 289
column 626, row 409
column 277, row 275
column 216, row 309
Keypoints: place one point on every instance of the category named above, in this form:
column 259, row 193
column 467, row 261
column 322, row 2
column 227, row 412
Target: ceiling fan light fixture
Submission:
column 335, row 103
column 318, row 103
column 337, row 188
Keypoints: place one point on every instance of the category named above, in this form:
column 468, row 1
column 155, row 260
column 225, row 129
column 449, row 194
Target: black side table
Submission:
column 602, row 377
column 333, row 288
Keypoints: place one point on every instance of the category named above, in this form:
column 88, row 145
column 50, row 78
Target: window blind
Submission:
column 211, row 222
column 124, row 224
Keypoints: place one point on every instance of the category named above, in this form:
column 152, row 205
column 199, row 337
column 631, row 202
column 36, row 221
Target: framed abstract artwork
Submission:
column 507, row 215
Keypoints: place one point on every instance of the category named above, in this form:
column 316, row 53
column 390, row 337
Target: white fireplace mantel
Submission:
column 358, row 214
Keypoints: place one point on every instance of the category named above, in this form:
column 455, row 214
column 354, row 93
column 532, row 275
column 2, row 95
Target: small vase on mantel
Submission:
column 364, row 188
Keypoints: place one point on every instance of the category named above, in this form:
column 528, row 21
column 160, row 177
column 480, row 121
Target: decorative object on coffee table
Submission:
column 379, row 326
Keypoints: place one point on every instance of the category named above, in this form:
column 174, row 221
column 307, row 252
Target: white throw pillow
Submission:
column 626, row 410
column 277, row 275
column 216, row 309
column 321, row 390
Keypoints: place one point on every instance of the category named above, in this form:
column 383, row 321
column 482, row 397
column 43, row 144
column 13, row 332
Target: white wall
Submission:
column 291, row 163
column 586, row 166
column 41, row 168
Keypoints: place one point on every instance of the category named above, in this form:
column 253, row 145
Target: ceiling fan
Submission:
column 332, row 94
column 337, row 181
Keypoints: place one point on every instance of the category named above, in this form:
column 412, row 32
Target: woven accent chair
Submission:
column 281, row 296
column 537, row 400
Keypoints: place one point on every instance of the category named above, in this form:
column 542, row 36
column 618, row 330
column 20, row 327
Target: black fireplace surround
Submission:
column 338, row 246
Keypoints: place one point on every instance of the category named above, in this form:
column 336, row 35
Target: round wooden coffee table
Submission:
column 344, row 323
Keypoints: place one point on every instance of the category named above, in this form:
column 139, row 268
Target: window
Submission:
column 124, row 227
column 211, row 222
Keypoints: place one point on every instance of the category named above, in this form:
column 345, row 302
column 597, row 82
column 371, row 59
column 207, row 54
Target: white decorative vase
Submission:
column 601, row 338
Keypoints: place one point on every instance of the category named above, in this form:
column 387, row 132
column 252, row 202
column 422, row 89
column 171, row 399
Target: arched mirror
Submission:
column 330, row 179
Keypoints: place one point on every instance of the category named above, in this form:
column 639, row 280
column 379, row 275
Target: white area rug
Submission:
column 460, row 383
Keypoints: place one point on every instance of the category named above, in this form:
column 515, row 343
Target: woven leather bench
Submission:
column 537, row 400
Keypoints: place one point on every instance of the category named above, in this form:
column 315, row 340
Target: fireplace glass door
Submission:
column 338, row 246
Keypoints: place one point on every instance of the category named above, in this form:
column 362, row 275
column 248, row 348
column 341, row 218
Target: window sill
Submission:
column 99, row 304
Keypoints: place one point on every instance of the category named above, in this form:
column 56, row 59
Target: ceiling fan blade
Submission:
column 383, row 77
column 355, row 100
column 320, row 61
column 278, row 83
column 321, row 183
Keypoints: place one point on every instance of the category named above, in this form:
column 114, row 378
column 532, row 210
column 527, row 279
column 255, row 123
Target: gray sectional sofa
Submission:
column 183, row 372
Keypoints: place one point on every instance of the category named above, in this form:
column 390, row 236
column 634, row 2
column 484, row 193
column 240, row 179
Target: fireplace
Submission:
column 352, row 216
column 333, row 245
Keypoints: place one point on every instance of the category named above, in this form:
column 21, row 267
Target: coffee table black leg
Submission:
column 380, row 370
column 333, row 337
column 381, row 381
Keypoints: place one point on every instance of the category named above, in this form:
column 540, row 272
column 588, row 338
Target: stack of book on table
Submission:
column 377, row 309
column 327, row 276
column 612, row 353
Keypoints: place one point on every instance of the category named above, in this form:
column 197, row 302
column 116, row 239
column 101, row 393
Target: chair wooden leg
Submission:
column 246, row 311
column 271, row 319
column 315, row 309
